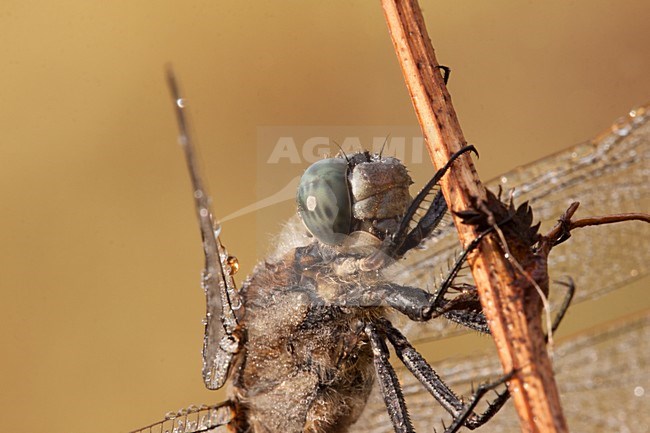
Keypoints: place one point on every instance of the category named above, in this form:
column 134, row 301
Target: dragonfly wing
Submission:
column 608, row 175
column 222, row 300
column 603, row 376
column 195, row 419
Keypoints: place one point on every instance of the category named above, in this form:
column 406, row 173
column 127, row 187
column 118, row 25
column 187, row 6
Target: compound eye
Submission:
column 324, row 200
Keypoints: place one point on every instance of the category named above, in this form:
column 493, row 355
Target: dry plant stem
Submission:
column 516, row 331
column 565, row 224
column 609, row 219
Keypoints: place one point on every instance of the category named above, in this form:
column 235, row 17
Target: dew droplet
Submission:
column 621, row 129
column 181, row 103
column 639, row 391
column 504, row 179
column 638, row 115
column 638, row 112
column 233, row 263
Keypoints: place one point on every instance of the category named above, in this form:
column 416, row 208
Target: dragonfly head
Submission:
column 360, row 193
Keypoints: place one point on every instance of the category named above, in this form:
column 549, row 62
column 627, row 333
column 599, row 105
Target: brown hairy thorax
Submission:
column 306, row 364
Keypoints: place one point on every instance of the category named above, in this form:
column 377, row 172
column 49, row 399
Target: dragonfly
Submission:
column 608, row 174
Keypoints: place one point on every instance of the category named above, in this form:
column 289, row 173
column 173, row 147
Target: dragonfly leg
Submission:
column 414, row 302
column 389, row 385
column 473, row 318
column 464, row 309
column 462, row 413
column 571, row 289
column 446, row 72
column 420, row 305
column 415, row 224
column 471, row 420
column 438, row 298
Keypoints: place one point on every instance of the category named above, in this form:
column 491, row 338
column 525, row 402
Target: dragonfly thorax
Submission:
column 361, row 193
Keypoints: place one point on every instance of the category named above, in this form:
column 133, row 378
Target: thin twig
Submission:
column 515, row 326
column 561, row 231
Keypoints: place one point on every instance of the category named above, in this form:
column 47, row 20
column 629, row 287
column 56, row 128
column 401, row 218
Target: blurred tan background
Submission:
column 101, row 309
